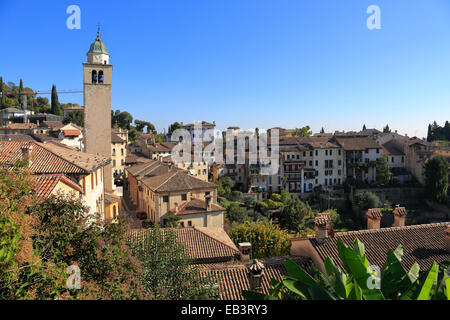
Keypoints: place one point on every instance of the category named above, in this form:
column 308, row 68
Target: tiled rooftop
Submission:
column 423, row 244
column 204, row 245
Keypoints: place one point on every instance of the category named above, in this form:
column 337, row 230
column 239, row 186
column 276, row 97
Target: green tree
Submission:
column 167, row 272
column 174, row 126
column 296, row 216
column 20, row 94
column 2, row 97
column 173, row 221
column 303, row 132
column 436, row 178
column 386, row 129
column 237, row 213
column 364, row 127
column 384, row 174
column 75, row 117
column 56, row 108
column 368, row 200
column 358, row 282
column 267, row 239
column 429, row 134
column 322, row 130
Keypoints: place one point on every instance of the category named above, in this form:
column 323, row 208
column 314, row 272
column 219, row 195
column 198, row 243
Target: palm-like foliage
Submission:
column 359, row 282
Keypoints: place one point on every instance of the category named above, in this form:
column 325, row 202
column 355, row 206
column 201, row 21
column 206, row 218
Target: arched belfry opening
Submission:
column 100, row 77
column 94, row 77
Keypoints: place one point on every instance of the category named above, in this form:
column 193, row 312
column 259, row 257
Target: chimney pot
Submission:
column 256, row 274
column 322, row 222
column 400, row 214
column 246, row 250
column 373, row 218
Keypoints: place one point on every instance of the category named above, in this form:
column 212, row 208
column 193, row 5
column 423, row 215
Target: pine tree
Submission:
column 322, row 131
column 430, row 134
column 56, row 109
column 364, row 127
column 20, row 99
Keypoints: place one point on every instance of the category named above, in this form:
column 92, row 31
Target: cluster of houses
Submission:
column 89, row 162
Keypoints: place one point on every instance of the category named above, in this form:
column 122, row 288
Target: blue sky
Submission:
column 251, row 63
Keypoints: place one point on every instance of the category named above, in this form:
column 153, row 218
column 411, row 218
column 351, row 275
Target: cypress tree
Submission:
column 20, row 99
column 322, row 131
column 430, row 134
column 2, row 89
column 364, row 127
column 55, row 103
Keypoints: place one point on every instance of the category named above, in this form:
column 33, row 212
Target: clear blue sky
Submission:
column 251, row 63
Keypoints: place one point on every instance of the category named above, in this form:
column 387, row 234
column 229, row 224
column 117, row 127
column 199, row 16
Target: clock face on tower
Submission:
column 97, row 59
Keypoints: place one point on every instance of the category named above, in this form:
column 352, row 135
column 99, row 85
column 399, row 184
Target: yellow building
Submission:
column 161, row 189
column 118, row 154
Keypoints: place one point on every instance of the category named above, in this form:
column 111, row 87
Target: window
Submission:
column 92, row 181
column 114, row 163
column 121, row 151
column 331, row 152
column 304, row 154
column 403, row 159
column 96, row 179
column 310, row 163
column 182, row 224
column 339, row 162
column 317, row 152
column 100, row 77
column 114, row 152
column 94, row 77
column 311, row 154
column 378, row 150
column 326, row 152
column 288, row 156
column 339, row 152
column 317, row 163
column 166, row 199
column 189, row 223
column 184, row 197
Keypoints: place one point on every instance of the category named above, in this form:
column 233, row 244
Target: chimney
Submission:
column 399, row 216
column 246, row 250
column 447, row 237
column 373, row 218
column 27, row 152
column 321, row 222
column 256, row 274
column 208, row 202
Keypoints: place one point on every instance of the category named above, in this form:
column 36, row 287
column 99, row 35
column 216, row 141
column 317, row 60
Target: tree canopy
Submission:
column 436, row 178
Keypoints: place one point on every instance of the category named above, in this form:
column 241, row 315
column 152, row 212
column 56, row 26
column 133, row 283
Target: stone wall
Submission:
column 403, row 196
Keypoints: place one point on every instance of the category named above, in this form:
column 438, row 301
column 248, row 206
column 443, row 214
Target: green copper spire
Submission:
column 98, row 46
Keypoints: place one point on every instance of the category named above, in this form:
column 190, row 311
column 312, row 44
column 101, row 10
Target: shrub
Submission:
column 266, row 238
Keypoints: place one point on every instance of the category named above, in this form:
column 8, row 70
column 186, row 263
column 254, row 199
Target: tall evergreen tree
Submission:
column 2, row 89
column 55, row 103
column 430, row 134
column 364, row 127
column 322, row 131
column 20, row 98
column 386, row 129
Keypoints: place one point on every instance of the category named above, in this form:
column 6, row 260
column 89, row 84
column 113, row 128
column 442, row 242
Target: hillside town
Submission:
column 329, row 187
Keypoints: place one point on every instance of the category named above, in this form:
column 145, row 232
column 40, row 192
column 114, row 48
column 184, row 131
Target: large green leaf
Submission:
column 429, row 284
column 394, row 279
column 298, row 288
column 319, row 293
column 297, row 273
column 359, row 272
column 339, row 279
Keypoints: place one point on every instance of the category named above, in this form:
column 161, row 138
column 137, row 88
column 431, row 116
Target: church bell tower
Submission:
column 97, row 105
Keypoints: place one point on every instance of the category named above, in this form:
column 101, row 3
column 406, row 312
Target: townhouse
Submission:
column 85, row 171
column 162, row 189
column 118, row 154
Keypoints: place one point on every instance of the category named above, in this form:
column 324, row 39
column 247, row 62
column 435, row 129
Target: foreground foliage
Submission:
column 359, row 282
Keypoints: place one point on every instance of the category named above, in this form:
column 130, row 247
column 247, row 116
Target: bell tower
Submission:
column 97, row 105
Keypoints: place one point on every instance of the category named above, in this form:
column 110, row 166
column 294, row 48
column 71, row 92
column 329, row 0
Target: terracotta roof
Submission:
column 176, row 181
column 204, row 123
column 162, row 147
column 74, row 108
column 55, row 125
column 423, row 244
column 204, row 245
column 51, row 158
column 15, row 137
column 374, row 213
column 195, row 206
column 358, row 143
column 116, row 139
column 72, row 133
column 391, row 148
column 232, row 278
column 110, row 198
column 19, row 126
column 46, row 183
